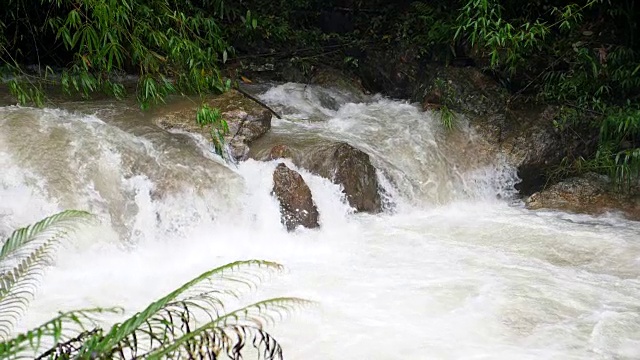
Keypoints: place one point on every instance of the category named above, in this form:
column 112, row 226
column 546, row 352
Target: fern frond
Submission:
column 63, row 221
column 175, row 314
column 262, row 313
column 217, row 342
column 66, row 349
column 228, row 334
column 23, row 257
column 18, row 286
column 61, row 328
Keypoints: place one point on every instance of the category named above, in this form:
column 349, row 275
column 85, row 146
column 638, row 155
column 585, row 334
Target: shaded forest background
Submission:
column 581, row 55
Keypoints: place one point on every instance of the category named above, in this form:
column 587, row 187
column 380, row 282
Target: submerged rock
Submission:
column 296, row 203
column 280, row 152
column 590, row 194
column 247, row 120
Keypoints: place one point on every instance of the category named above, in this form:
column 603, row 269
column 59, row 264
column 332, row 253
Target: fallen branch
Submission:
column 256, row 100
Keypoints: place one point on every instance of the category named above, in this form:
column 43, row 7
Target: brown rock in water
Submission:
column 280, row 152
column 296, row 203
column 589, row 194
column 247, row 120
column 351, row 168
column 337, row 161
column 334, row 78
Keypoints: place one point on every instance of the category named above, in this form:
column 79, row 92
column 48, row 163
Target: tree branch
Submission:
column 256, row 100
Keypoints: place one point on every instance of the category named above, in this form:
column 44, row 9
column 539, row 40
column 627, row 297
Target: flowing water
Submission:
column 455, row 268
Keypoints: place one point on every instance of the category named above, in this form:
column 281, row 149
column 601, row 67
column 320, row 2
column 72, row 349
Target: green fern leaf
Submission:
column 229, row 333
column 61, row 221
column 23, row 257
column 18, row 286
column 63, row 327
column 173, row 315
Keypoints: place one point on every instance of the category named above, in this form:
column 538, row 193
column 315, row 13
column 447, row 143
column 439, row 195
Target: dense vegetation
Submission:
column 580, row 54
column 189, row 322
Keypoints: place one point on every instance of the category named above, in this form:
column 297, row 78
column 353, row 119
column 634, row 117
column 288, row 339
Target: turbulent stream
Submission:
column 455, row 268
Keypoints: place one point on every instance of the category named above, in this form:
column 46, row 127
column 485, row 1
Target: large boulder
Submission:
column 527, row 134
column 590, row 194
column 351, row 168
column 296, row 203
column 339, row 162
column 247, row 120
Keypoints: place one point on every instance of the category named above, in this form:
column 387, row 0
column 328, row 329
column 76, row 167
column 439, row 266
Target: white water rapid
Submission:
column 456, row 268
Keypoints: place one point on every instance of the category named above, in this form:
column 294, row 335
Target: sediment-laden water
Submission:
column 455, row 269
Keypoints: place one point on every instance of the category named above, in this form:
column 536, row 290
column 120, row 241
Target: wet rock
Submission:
column 528, row 136
column 333, row 78
column 589, row 194
column 463, row 89
column 247, row 120
column 280, row 152
column 391, row 72
column 349, row 167
column 296, row 203
column 238, row 149
column 339, row 162
column 525, row 133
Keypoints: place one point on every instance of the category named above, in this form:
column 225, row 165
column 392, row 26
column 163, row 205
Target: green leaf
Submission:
column 249, row 319
column 23, row 257
column 239, row 272
column 47, row 226
column 61, row 328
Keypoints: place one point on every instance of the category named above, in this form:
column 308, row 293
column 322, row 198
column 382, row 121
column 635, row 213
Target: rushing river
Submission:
column 455, row 268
